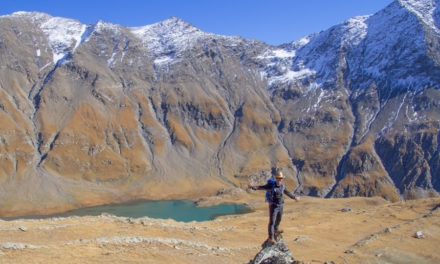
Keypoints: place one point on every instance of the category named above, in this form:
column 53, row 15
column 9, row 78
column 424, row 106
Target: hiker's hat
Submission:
column 279, row 175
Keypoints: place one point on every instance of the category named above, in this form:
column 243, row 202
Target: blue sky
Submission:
column 272, row 21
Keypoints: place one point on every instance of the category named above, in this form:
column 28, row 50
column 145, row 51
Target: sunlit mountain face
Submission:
column 93, row 114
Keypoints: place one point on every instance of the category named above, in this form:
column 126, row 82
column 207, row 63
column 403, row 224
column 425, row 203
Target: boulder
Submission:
column 274, row 253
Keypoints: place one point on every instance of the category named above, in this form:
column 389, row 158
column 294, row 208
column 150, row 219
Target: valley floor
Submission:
column 369, row 230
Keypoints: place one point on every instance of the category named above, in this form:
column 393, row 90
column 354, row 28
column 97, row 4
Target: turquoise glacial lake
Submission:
column 179, row 210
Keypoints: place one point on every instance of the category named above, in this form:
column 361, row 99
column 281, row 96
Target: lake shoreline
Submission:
column 101, row 209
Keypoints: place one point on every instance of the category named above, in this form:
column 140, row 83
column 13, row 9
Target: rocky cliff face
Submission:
column 103, row 113
column 350, row 96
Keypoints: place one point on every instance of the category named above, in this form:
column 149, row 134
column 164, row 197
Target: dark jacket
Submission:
column 276, row 197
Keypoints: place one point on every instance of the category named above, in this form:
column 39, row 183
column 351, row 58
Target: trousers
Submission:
column 275, row 215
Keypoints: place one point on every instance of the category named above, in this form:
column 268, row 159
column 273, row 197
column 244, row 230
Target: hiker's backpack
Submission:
column 269, row 193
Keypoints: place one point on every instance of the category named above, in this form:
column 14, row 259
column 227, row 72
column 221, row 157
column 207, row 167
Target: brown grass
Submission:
column 179, row 132
column 210, row 106
column 256, row 161
column 150, row 121
column 87, row 128
column 126, row 116
column 13, row 119
column 89, row 121
column 7, row 123
column 317, row 181
column 248, row 140
column 256, row 118
column 315, row 231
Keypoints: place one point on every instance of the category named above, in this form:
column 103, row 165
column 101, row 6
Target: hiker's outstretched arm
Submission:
column 261, row 187
column 291, row 195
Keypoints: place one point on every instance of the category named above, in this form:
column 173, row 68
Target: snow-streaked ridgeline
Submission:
column 364, row 41
column 351, row 110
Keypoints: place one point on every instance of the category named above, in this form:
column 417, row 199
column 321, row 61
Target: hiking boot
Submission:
column 270, row 240
column 279, row 231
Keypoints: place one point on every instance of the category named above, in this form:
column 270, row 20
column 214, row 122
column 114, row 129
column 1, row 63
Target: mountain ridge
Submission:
column 166, row 111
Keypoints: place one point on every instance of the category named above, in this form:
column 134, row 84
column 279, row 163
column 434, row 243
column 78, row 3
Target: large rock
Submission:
column 274, row 253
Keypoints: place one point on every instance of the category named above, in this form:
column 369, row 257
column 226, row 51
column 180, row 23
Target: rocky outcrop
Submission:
column 272, row 253
column 412, row 161
column 361, row 173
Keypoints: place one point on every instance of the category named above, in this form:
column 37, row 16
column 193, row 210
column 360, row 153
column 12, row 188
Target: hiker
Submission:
column 276, row 203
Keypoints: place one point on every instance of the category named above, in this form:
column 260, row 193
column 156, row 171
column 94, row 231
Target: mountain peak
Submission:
column 176, row 20
column 172, row 25
column 172, row 34
column 29, row 13
column 102, row 25
column 34, row 15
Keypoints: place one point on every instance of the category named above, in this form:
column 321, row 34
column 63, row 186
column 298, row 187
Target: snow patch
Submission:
column 279, row 66
column 104, row 26
column 284, row 53
column 64, row 35
column 355, row 30
column 424, row 9
column 276, row 54
column 163, row 60
column 34, row 16
column 302, row 41
column 318, row 101
column 124, row 51
column 290, row 75
column 112, row 58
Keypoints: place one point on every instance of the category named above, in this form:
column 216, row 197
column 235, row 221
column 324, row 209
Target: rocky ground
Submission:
column 352, row 230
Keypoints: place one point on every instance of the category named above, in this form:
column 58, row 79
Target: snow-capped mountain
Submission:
column 170, row 36
column 104, row 113
column 386, row 63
